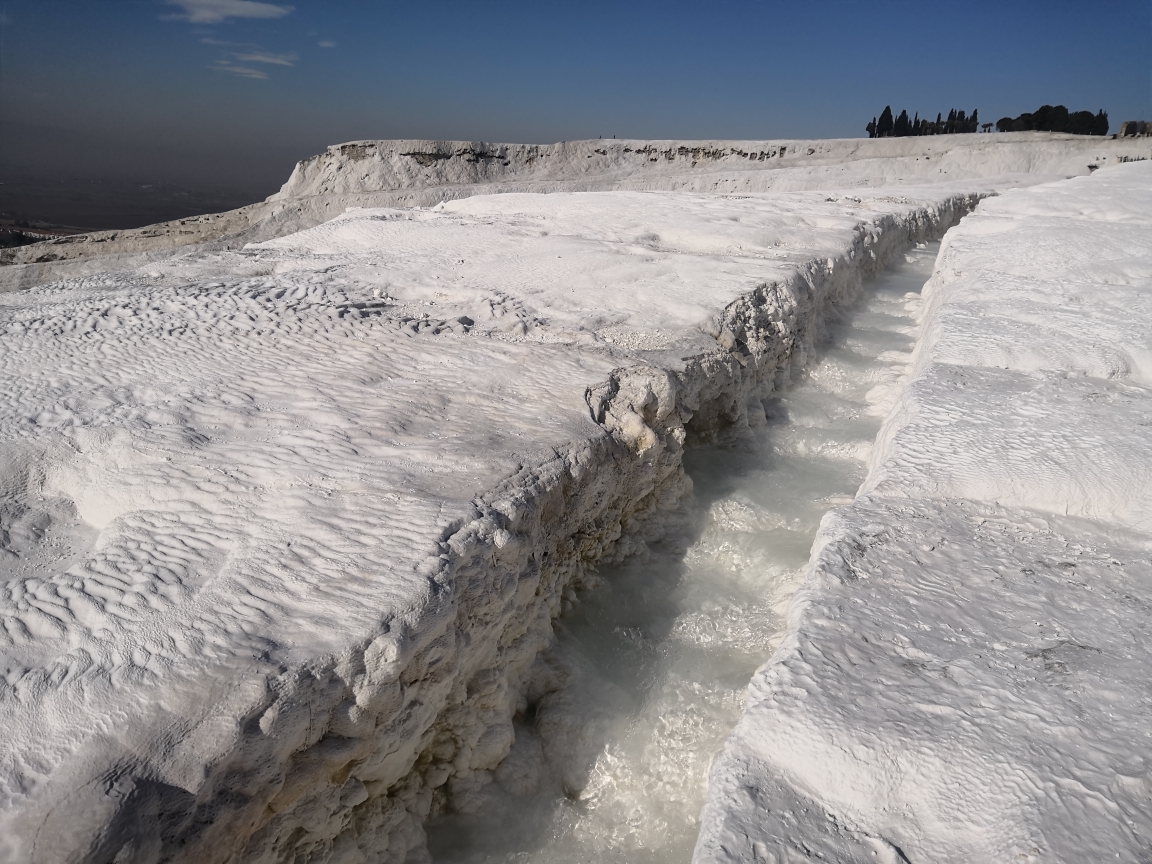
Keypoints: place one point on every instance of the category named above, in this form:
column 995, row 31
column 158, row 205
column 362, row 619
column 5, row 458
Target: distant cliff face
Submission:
column 371, row 166
column 415, row 167
column 414, row 173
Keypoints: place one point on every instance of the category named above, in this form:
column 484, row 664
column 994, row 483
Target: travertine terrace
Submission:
column 288, row 512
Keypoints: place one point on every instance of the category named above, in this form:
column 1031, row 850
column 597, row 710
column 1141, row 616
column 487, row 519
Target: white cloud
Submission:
column 215, row 11
column 327, row 43
column 242, row 71
column 233, row 60
column 267, row 57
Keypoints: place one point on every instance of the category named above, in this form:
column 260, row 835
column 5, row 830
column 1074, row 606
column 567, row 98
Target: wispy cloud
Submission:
column 242, row 71
column 215, row 11
column 236, row 58
column 241, row 53
column 326, row 43
column 268, row 57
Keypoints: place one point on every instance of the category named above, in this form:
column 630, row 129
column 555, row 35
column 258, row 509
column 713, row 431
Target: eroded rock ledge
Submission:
column 343, row 760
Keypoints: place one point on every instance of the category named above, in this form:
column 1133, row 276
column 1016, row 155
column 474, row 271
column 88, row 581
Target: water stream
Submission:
column 648, row 673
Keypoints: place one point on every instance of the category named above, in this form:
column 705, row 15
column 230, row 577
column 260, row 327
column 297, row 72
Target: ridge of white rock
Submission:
column 283, row 529
column 965, row 675
column 418, row 173
column 423, row 173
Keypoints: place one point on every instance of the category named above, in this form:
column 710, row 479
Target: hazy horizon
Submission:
column 128, row 111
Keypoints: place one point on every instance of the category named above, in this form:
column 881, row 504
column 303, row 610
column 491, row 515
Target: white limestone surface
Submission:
column 966, row 677
column 412, row 173
column 424, row 172
column 283, row 530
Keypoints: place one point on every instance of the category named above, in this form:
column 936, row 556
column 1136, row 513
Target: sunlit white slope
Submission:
column 411, row 173
column 966, row 675
column 425, row 172
column 282, row 530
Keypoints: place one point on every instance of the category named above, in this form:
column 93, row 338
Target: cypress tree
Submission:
column 902, row 126
column 884, row 127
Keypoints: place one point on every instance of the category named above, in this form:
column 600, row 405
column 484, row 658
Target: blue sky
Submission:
column 236, row 91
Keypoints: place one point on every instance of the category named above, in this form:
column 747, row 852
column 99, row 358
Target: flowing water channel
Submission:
column 651, row 667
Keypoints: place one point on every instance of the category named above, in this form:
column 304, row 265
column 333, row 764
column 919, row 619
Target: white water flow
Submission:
column 648, row 673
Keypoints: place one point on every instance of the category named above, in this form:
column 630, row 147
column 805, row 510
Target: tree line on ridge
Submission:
column 1056, row 118
column 888, row 126
column 1048, row 118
